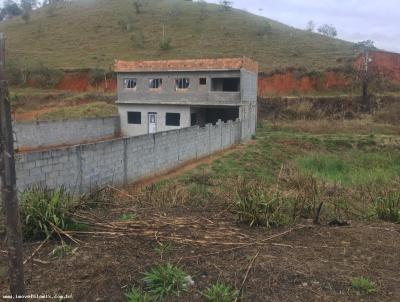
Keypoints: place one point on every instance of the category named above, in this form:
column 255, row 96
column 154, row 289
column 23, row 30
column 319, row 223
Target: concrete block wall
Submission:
column 122, row 160
column 39, row 134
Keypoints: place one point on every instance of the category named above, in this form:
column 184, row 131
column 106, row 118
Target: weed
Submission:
column 387, row 206
column 166, row 44
column 127, row 217
column 363, row 285
column 138, row 295
column 220, row 292
column 166, row 280
column 258, row 205
column 170, row 194
column 163, row 248
column 43, row 210
column 62, row 251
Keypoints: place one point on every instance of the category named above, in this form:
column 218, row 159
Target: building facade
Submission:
column 155, row 96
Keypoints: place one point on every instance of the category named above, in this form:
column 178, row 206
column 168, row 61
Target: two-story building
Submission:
column 156, row 96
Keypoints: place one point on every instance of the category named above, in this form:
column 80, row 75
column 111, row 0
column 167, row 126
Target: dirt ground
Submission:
column 303, row 262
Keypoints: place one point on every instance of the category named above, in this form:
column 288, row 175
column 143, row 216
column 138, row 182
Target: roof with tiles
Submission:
column 187, row 65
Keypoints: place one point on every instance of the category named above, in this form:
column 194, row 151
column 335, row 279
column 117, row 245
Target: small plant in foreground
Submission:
column 166, row 280
column 363, row 285
column 63, row 250
column 137, row 295
column 163, row 248
column 127, row 217
column 43, row 210
column 258, row 205
column 220, row 292
column 387, row 207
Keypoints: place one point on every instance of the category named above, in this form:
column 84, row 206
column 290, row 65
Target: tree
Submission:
column 10, row 9
column 263, row 29
column 310, row 26
column 366, row 73
column 139, row 5
column 327, row 30
column 225, row 4
column 27, row 6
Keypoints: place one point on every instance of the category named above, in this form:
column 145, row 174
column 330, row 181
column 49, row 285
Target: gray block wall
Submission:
column 72, row 131
column 122, row 160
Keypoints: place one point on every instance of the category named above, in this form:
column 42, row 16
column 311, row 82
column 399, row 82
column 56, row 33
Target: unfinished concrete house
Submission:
column 155, row 96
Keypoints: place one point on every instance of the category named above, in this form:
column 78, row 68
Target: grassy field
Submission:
column 92, row 33
column 37, row 104
column 305, row 213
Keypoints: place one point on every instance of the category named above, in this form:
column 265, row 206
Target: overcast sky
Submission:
column 355, row 20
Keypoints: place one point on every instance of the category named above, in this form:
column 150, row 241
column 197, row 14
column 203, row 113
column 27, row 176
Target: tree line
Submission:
column 24, row 8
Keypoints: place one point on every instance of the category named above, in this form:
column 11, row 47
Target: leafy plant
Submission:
column 166, row 280
column 138, row 295
column 257, row 205
column 43, row 210
column 165, row 44
column 127, row 217
column 220, row 292
column 387, row 206
column 163, row 248
column 363, row 285
column 63, row 250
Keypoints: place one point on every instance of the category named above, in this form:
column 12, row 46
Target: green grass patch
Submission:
column 166, row 280
column 363, row 285
column 352, row 168
column 220, row 292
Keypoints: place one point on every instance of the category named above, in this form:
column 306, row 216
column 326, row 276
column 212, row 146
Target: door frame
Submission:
column 148, row 122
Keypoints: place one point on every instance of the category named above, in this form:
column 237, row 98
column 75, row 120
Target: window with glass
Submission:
column 173, row 119
column 130, row 83
column 182, row 83
column 155, row 83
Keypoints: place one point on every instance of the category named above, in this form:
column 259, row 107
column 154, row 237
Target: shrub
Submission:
column 363, row 285
column 166, row 280
column 220, row 292
column 166, row 44
column 127, row 217
column 63, row 250
column 44, row 209
column 137, row 295
column 257, row 205
column 387, row 206
column 44, row 77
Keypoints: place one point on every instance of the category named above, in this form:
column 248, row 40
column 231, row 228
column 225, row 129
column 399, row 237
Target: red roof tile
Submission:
column 190, row 65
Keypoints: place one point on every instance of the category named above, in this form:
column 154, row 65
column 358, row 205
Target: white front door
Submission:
column 152, row 122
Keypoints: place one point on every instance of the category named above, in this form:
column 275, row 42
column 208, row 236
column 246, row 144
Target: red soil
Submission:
column 281, row 84
column 80, row 82
column 386, row 63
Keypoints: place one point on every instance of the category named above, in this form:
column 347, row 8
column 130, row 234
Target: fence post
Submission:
column 9, row 187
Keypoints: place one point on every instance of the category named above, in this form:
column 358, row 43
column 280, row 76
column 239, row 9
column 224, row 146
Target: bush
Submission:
column 220, row 292
column 137, row 295
column 387, row 206
column 44, row 77
column 166, row 280
column 43, row 210
column 363, row 285
column 166, row 44
column 258, row 205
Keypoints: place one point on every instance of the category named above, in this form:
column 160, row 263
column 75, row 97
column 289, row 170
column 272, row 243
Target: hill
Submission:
column 92, row 33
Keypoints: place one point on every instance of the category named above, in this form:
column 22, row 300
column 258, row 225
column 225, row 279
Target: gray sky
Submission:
column 355, row 20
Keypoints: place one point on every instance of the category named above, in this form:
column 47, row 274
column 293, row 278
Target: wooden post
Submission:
column 8, row 187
